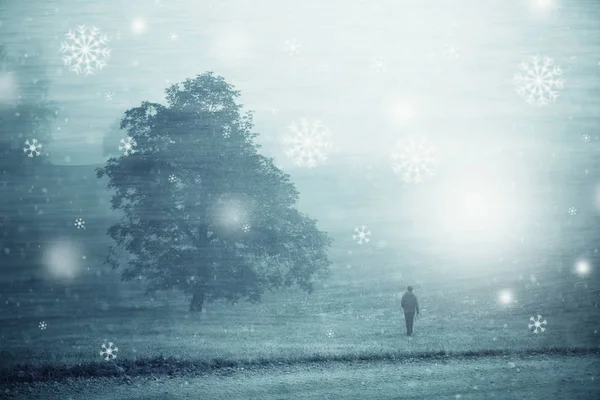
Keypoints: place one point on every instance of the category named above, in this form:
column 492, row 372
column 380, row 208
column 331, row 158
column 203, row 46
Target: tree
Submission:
column 25, row 115
column 204, row 212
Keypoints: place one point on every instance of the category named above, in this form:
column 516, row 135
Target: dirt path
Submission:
column 545, row 377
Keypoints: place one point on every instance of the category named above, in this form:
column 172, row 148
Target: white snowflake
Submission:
column 308, row 143
column 292, row 47
column 33, row 148
column 539, row 80
column 108, row 351
column 586, row 138
column 378, row 65
column 173, row 36
column 414, row 159
column 361, row 235
column 226, row 132
column 451, row 52
column 43, row 325
column 108, row 96
column 246, row 228
column 537, row 323
column 173, row 178
column 330, row 333
column 86, row 50
column 572, row 211
column 79, row 223
column 127, row 146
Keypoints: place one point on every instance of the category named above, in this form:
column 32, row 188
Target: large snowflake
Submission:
column 127, row 146
column 361, row 234
column 414, row 159
column 539, row 80
column 537, row 323
column 109, row 352
column 86, row 50
column 33, row 148
column 308, row 143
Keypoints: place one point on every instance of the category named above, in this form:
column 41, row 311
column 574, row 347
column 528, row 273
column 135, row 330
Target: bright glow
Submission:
column 505, row 297
column 62, row 260
column 582, row 267
column 231, row 45
column 138, row 26
column 543, row 4
column 476, row 210
column 8, row 88
column 403, row 111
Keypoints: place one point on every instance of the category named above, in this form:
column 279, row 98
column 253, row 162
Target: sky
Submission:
column 372, row 73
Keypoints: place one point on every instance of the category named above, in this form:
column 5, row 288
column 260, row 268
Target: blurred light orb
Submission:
column 63, row 260
column 505, row 297
column 403, row 111
column 138, row 26
column 8, row 88
column 544, row 4
column 582, row 267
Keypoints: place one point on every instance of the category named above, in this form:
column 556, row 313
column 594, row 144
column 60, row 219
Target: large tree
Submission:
column 203, row 211
column 25, row 119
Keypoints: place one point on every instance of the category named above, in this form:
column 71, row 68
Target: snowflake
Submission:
column 246, row 228
column 308, row 143
column 43, row 325
column 127, row 145
column 330, row 334
column 572, row 211
column 79, row 223
column 173, row 36
column 539, row 81
column 586, row 138
column 414, row 159
column 361, row 235
column 378, row 65
column 86, row 51
column 109, row 352
column 108, row 96
column 173, row 178
column 226, row 132
column 292, row 47
column 451, row 52
column 32, row 148
column 537, row 324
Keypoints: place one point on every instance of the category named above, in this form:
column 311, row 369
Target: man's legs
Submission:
column 409, row 317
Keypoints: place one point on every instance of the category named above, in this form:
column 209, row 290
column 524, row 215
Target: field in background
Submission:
column 355, row 311
column 343, row 317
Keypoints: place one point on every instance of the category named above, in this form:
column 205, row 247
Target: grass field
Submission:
column 337, row 319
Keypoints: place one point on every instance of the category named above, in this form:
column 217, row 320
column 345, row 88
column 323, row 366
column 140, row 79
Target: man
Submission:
column 410, row 305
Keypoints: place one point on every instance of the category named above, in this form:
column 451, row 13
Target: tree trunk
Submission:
column 197, row 301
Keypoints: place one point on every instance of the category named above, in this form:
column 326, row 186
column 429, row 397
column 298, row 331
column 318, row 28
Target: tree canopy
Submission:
column 203, row 211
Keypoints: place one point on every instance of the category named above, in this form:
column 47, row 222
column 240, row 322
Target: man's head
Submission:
column 410, row 288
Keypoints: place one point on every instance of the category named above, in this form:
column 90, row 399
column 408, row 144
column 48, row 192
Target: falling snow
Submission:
column 79, row 223
column 307, row 143
column 414, row 159
column 361, row 234
column 32, row 148
column 536, row 324
column 127, row 146
column 539, row 80
column 108, row 352
column 86, row 50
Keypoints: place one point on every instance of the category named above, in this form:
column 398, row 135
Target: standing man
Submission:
column 410, row 305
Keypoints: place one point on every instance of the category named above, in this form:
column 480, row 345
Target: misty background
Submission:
column 371, row 72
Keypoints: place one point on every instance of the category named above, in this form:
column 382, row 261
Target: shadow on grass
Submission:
column 161, row 366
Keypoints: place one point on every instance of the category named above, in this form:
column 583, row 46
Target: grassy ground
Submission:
column 500, row 377
column 334, row 321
